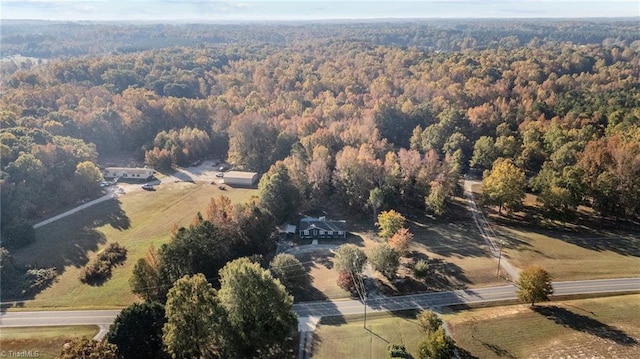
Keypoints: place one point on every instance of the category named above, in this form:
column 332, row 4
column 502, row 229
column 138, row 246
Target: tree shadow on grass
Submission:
column 69, row 240
column 585, row 324
column 459, row 239
column 623, row 243
column 116, row 217
column 586, row 231
column 464, row 354
column 443, row 276
column 497, row 350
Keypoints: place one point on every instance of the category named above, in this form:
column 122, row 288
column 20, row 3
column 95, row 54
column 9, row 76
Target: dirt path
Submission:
column 110, row 195
column 487, row 233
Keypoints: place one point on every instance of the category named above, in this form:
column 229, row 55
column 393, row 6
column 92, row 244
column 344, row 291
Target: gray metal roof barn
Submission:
column 240, row 178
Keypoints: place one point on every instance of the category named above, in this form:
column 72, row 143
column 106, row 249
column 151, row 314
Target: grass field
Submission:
column 351, row 340
column 46, row 341
column 587, row 248
column 586, row 328
column 137, row 220
column 572, row 256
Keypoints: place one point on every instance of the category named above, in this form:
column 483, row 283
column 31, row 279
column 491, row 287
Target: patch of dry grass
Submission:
column 351, row 340
column 41, row 342
column 573, row 256
column 596, row 327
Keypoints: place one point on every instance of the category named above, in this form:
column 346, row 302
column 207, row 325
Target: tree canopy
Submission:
column 288, row 269
column 137, row 331
column 195, row 318
column 258, row 329
column 390, row 222
column 534, row 285
column 504, row 185
column 385, row 260
column 350, row 259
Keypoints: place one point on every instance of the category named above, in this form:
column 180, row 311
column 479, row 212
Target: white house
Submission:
column 128, row 173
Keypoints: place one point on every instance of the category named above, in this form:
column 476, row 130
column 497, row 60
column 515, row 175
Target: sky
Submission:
column 215, row 10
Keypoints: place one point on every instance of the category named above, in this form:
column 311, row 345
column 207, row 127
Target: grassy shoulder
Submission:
column 596, row 327
column 41, row 342
column 339, row 339
column 136, row 220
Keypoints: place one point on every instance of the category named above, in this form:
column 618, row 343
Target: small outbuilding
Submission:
column 128, row 173
column 240, row 179
column 315, row 228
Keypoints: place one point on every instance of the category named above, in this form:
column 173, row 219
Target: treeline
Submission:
column 346, row 116
column 41, row 173
column 46, row 40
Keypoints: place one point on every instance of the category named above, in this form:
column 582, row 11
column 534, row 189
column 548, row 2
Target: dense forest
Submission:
column 375, row 114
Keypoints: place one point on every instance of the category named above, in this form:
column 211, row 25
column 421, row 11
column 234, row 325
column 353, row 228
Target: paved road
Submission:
column 110, row 194
column 467, row 296
column 50, row 318
column 345, row 307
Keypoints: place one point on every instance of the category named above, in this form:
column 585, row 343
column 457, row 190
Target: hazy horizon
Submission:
column 218, row 10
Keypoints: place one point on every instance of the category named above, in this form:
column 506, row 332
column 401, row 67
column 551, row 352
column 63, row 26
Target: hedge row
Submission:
column 100, row 269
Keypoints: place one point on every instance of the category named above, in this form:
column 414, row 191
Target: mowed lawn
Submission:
column 137, row 220
column 573, row 256
column 351, row 340
column 586, row 328
column 591, row 249
column 46, row 341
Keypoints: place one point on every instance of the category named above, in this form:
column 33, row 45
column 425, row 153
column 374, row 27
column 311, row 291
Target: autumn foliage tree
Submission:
column 534, row 285
column 390, row 222
column 88, row 348
column 346, row 281
column 385, row 260
column 401, row 240
column 505, row 185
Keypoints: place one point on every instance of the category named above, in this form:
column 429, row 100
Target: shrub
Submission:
column 113, row 254
column 345, row 281
column 100, row 269
column 396, row 351
column 18, row 235
column 421, row 269
column 39, row 278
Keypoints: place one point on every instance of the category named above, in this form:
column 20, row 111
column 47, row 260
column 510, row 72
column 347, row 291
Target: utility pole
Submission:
column 361, row 291
column 499, row 258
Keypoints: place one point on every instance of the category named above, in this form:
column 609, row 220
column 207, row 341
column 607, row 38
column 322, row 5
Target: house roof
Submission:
column 240, row 174
column 129, row 169
column 287, row 228
column 322, row 224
